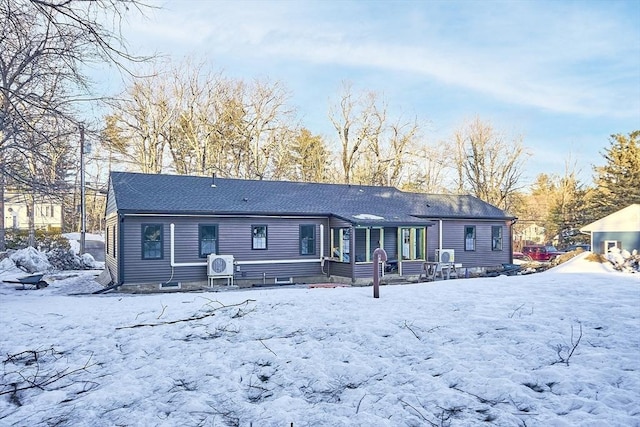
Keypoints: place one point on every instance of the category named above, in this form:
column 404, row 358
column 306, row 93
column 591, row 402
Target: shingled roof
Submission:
column 359, row 204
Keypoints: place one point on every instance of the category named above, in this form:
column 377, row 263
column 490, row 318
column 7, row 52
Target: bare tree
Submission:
column 45, row 45
column 488, row 165
column 47, row 161
column 375, row 161
column 428, row 169
column 351, row 118
column 138, row 129
column 403, row 142
column 266, row 121
column 185, row 118
column 374, row 148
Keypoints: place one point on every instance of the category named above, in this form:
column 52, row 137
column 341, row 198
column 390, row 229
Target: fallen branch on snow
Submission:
column 188, row 319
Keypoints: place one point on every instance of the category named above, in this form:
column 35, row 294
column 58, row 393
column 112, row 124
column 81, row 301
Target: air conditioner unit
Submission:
column 445, row 255
column 219, row 265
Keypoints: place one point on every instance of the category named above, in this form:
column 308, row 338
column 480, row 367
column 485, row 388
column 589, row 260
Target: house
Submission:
column 531, row 234
column 621, row 229
column 161, row 230
column 47, row 213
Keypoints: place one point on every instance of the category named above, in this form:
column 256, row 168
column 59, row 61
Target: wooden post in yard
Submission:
column 379, row 255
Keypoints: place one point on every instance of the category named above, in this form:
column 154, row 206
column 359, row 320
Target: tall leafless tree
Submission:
column 352, row 117
column 488, row 165
column 428, row 169
column 200, row 123
column 374, row 148
column 44, row 47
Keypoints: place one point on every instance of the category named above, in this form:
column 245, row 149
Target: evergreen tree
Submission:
column 617, row 183
column 566, row 215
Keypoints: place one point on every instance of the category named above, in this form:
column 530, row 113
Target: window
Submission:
column 307, row 239
column 496, row 238
column 469, row 237
column 259, row 237
column 413, row 242
column 114, row 249
column 110, row 241
column 151, row 241
column 610, row 244
column 46, row 211
column 341, row 244
column 207, row 239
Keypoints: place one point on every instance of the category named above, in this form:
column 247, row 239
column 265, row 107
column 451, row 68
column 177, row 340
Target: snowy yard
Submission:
column 559, row 348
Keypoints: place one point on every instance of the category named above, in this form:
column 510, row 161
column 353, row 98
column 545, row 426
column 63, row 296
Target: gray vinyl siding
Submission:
column 339, row 223
column 234, row 238
column 341, row 269
column 391, row 242
column 453, row 238
column 111, row 262
column 364, row 271
column 412, row 268
column 283, row 238
column 134, row 268
column 629, row 240
column 283, row 243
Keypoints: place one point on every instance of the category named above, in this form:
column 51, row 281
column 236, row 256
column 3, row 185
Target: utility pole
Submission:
column 83, row 207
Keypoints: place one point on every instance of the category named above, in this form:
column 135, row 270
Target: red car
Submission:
column 540, row 253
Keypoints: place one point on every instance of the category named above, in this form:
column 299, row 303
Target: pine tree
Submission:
column 567, row 211
column 618, row 181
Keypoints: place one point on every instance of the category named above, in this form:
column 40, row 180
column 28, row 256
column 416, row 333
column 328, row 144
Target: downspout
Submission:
column 321, row 245
column 513, row 221
column 439, row 238
column 322, row 256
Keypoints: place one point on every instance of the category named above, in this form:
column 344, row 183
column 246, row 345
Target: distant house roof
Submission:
column 365, row 205
column 627, row 219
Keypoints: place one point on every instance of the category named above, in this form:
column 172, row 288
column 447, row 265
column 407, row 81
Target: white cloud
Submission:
column 563, row 58
column 554, row 64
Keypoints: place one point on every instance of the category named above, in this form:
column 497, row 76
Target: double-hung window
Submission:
column 207, row 239
column 307, row 239
column 259, row 237
column 469, row 237
column 152, row 241
column 496, row 238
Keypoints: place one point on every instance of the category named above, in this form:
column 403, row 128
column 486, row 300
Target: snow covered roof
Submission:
column 627, row 219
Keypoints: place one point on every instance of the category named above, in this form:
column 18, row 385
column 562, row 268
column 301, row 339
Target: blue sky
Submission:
column 562, row 74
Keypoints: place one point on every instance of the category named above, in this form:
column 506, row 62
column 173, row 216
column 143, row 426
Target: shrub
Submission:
column 45, row 240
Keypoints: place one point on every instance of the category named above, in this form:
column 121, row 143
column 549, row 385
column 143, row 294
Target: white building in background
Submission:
column 533, row 233
column 48, row 214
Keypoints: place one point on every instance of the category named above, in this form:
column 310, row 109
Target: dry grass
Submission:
column 596, row 258
column 567, row 256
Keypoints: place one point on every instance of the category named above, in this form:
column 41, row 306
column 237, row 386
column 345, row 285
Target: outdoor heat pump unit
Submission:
column 219, row 265
column 445, row 255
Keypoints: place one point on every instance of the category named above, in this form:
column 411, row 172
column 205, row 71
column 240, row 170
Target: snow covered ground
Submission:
column 559, row 348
